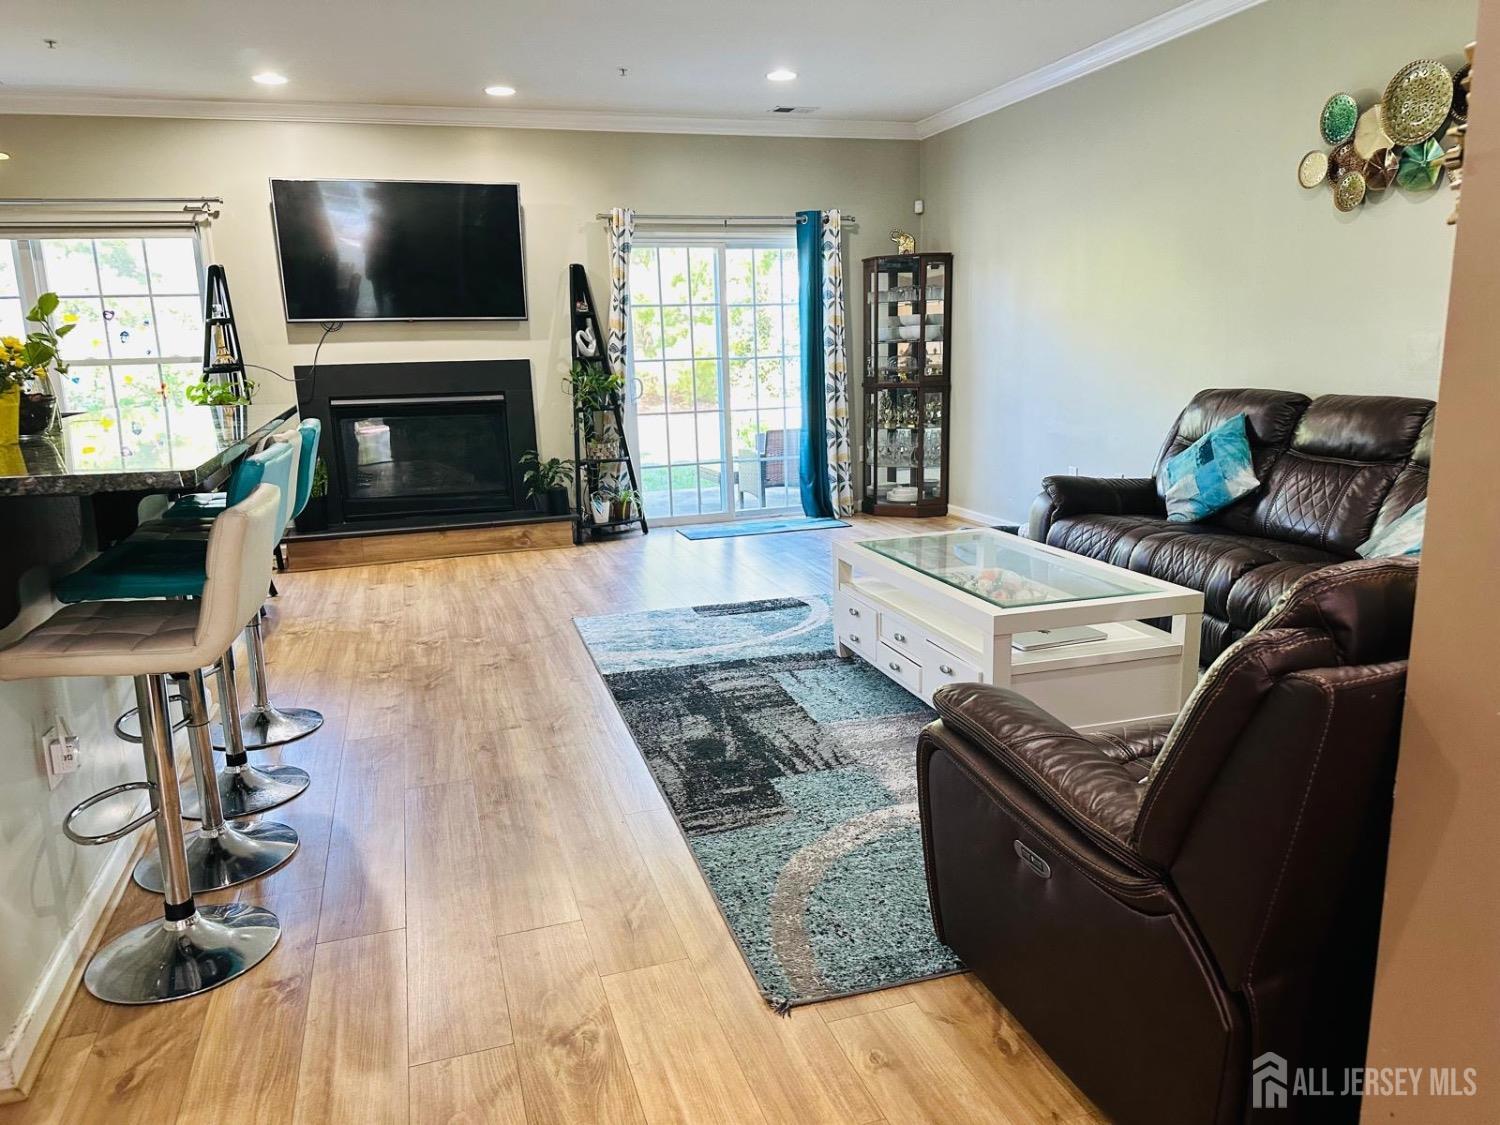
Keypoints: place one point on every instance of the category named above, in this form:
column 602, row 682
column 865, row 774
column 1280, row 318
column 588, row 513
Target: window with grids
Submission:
column 138, row 307
column 715, row 352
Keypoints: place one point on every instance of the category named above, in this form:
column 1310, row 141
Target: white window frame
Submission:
column 31, row 281
column 720, row 242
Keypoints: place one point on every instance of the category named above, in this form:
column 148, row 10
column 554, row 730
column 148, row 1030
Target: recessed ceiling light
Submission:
column 782, row 74
column 270, row 78
column 500, row 91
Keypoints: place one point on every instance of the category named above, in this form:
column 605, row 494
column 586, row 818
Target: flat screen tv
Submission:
column 399, row 250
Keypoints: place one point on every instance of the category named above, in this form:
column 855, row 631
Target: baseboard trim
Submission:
column 983, row 517
column 31, row 1038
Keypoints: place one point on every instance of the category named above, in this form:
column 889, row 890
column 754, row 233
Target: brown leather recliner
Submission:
column 1156, row 932
column 1332, row 470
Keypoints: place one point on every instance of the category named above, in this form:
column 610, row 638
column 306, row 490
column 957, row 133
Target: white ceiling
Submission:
column 876, row 62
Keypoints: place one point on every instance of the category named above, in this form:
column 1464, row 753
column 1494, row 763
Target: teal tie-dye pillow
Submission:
column 1210, row 474
column 1402, row 536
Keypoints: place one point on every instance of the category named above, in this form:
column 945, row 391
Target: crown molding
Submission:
column 1132, row 41
column 476, row 118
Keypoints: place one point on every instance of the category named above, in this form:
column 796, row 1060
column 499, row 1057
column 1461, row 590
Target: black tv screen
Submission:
column 399, row 250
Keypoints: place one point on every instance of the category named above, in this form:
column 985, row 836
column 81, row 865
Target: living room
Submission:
column 825, row 566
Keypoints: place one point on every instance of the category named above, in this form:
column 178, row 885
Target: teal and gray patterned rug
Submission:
column 793, row 775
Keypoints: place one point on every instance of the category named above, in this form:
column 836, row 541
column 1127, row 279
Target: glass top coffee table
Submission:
column 979, row 605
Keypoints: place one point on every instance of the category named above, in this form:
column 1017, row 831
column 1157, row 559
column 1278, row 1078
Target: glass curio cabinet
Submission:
column 907, row 299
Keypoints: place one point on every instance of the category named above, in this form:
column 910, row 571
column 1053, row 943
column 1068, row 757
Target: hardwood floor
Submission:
column 493, row 917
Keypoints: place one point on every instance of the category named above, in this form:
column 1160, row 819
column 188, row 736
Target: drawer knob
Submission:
column 945, row 669
column 900, row 637
column 853, row 612
column 894, row 666
column 854, row 637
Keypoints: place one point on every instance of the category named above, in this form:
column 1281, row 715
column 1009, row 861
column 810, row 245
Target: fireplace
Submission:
column 422, row 445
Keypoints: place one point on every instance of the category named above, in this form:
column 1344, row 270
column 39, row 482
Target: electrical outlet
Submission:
column 63, row 752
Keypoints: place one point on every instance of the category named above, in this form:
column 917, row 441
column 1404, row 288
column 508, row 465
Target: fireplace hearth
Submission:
column 428, row 445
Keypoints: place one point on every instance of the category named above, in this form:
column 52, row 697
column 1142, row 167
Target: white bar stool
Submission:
column 190, row 950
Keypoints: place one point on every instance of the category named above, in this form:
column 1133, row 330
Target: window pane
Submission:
column 677, row 342
column 684, row 489
column 87, row 387
column 710, row 489
column 739, row 286
column 791, row 334
column 710, row 435
column 176, row 378
column 679, row 387
column 70, row 266
column 674, row 275
column 138, row 386
column 643, row 287
column 706, row 383
column 741, row 331
column 682, row 432
column 706, row 332
column 654, row 498
column 131, row 332
column 653, row 436
column 173, row 265
column 789, row 282
column 11, row 320
column 9, row 287
column 179, row 325
column 87, row 341
column 743, row 429
column 768, row 275
column 742, row 384
column 122, row 265
column 651, row 391
column 703, row 261
column 645, row 329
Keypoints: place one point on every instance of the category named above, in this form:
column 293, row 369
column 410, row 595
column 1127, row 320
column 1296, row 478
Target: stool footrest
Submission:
column 87, row 803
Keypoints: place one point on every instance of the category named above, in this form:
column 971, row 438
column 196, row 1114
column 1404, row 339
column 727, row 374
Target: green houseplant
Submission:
column 214, row 393
column 547, row 482
column 28, row 404
column 595, row 390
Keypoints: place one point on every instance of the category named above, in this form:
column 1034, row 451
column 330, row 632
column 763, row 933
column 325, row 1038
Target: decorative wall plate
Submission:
column 1313, row 169
column 1421, row 166
column 1461, row 94
column 1370, row 137
column 1417, row 101
column 1350, row 191
column 1337, row 120
column 1345, row 160
column 1381, row 173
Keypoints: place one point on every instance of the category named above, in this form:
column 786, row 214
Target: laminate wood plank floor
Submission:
column 493, row 917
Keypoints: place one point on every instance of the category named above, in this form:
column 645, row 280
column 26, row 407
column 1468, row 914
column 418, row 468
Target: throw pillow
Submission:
column 1402, row 536
column 1210, row 474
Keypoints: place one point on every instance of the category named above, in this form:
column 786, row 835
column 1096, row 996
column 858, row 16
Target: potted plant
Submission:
column 216, row 393
column 595, row 390
column 547, row 483
column 314, row 517
column 28, row 405
column 601, row 504
column 624, row 505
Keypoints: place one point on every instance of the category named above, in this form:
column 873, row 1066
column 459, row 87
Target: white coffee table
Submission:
column 927, row 610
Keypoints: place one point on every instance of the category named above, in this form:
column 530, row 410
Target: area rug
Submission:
column 792, row 774
column 759, row 527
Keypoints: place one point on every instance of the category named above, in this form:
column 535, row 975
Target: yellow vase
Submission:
column 10, row 415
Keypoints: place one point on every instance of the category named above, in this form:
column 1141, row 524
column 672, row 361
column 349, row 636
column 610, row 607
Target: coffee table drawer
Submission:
column 899, row 667
column 850, row 611
column 940, row 667
column 902, row 634
column 853, row 634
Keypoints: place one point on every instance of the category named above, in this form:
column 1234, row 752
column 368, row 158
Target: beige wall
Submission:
column 565, row 179
column 1437, row 990
column 1128, row 239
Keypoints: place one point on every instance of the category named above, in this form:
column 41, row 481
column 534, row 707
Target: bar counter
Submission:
column 138, row 451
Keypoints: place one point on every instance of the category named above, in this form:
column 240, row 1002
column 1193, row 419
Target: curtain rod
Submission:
column 725, row 220
column 197, row 205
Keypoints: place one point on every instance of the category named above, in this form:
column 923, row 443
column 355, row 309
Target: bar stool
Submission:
column 191, row 949
column 266, row 725
column 163, row 562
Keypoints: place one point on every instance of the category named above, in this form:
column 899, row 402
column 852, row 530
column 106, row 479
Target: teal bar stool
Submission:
column 157, row 564
column 266, row 725
column 191, row 948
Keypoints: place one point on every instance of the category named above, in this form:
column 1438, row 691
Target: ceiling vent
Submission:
column 795, row 109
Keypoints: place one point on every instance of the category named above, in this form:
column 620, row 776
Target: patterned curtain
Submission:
column 836, row 369
column 621, row 235
column 826, row 468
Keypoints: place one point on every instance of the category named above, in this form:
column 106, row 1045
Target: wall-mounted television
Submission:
column 399, row 250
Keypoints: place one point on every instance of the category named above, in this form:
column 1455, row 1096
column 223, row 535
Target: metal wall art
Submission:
column 1397, row 140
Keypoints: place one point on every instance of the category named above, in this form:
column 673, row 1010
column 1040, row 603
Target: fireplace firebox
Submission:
column 422, row 445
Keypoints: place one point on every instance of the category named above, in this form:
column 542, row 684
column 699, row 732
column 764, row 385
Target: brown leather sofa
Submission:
column 1332, row 470
column 1157, row 935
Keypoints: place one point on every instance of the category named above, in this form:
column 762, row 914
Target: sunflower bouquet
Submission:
column 26, row 366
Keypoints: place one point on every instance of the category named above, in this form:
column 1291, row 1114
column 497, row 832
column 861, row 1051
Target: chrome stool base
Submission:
column 263, row 727
column 163, row 961
column 240, row 852
column 249, row 790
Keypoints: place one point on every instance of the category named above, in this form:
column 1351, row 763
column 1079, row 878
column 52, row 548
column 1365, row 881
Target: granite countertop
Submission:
column 136, row 450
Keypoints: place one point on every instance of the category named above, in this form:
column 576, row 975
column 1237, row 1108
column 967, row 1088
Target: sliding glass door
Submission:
column 714, row 395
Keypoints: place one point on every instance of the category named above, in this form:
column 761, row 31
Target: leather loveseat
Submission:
column 1160, row 934
column 1332, row 470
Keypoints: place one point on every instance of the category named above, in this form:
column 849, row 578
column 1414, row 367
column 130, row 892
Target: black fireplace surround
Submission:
column 412, row 446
